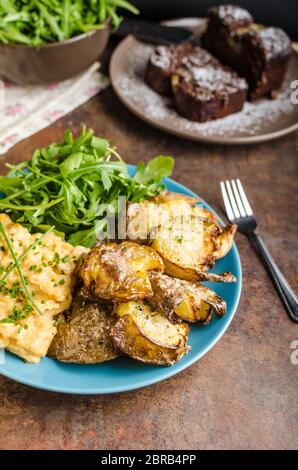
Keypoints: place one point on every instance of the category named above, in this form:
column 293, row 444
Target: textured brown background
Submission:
column 243, row 393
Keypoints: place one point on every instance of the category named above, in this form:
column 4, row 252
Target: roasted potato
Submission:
column 184, row 300
column 176, row 241
column 83, row 334
column 225, row 240
column 144, row 216
column 119, row 271
column 187, row 246
column 168, row 196
column 188, row 237
column 149, row 336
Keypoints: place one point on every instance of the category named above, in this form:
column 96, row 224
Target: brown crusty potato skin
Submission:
column 168, row 196
column 83, row 334
column 193, row 275
column 149, row 336
column 182, row 300
column 119, row 272
column 225, row 240
column 132, row 342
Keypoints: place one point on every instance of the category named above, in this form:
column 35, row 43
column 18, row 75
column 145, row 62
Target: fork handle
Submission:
column 285, row 292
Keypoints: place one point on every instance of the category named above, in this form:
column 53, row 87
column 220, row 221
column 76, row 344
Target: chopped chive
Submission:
column 11, row 250
column 56, row 258
column 31, row 247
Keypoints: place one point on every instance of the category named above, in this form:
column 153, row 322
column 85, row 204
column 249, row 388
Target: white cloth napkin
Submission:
column 26, row 110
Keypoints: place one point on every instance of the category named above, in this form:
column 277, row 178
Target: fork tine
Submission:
column 238, row 199
column 227, row 204
column 232, row 200
column 244, row 199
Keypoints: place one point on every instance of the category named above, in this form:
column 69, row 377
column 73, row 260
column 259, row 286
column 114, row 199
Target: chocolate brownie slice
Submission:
column 231, row 17
column 259, row 54
column 204, row 89
column 162, row 64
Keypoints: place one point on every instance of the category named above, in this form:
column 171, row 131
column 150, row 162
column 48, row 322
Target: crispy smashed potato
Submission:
column 188, row 237
column 83, row 333
column 148, row 336
column 225, row 240
column 188, row 247
column 172, row 197
column 183, row 300
column 146, row 216
column 184, row 247
column 142, row 218
column 120, row 271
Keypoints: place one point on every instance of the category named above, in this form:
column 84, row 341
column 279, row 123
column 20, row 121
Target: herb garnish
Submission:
column 56, row 258
column 71, row 185
column 17, row 265
column 15, row 316
column 31, row 247
column 179, row 238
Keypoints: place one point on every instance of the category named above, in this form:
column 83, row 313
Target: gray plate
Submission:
column 259, row 121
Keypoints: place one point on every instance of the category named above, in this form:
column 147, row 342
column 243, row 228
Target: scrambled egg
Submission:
column 48, row 269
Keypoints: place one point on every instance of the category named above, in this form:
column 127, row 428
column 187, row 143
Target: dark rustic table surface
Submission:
column 243, row 393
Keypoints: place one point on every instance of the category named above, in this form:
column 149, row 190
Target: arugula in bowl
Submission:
column 70, row 185
column 36, row 22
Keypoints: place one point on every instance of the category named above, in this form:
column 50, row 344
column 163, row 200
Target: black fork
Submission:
column 240, row 213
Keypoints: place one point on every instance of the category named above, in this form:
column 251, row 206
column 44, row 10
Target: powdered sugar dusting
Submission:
column 275, row 41
column 208, row 74
column 162, row 57
column 232, row 13
column 253, row 119
column 213, row 79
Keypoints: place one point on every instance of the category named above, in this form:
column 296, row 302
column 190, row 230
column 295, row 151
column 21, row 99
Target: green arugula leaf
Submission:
column 155, row 170
column 71, row 163
column 85, row 238
column 101, row 145
column 70, row 185
column 35, row 22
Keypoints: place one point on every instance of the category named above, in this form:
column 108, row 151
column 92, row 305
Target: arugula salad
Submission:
column 36, row 22
column 69, row 185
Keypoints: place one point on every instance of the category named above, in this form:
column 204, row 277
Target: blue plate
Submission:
column 126, row 374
